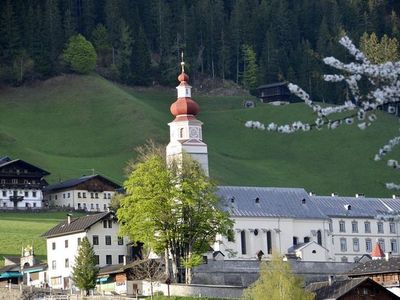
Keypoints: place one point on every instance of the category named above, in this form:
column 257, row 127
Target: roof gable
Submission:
column 76, row 225
column 92, row 180
column 19, row 163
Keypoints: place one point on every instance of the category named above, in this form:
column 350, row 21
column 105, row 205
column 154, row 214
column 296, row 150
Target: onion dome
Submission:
column 183, row 77
column 184, row 106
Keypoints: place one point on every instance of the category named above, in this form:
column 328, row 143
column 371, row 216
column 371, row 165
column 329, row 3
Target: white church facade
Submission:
column 287, row 220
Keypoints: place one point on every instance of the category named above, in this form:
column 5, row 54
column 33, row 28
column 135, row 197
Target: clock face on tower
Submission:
column 194, row 133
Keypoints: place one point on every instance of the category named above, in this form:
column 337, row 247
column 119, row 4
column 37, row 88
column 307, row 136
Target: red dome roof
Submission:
column 184, row 106
column 183, row 77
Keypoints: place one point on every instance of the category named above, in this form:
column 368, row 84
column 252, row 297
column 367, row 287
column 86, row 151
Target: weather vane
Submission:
column 182, row 63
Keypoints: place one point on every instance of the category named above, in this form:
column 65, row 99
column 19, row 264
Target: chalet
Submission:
column 63, row 240
column 21, row 184
column 382, row 269
column 89, row 193
column 274, row 92
column 347, row 289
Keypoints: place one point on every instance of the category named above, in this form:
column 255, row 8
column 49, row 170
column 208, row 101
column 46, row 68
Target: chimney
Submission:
column 312, row 193
column 388, row 255
column 360, row 195
column 334, row 194
column 331, row 279
column 68, row 219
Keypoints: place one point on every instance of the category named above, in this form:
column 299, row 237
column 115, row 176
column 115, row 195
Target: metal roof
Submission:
column 335, row 206
column 270, row 85
column 242, row 201
column 5, row 161
column 377, row 266
column 75, row 225
column 76, row 181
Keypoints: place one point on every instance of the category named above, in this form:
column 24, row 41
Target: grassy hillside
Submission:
column 69, row 125
column 20, row 229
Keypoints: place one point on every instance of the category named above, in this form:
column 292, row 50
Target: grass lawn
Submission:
column 70, row 125
column 18, row 229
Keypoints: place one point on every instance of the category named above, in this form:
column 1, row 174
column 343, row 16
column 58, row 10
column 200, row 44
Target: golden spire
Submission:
column 182, row 63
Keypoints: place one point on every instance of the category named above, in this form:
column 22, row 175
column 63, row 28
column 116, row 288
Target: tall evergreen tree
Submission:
column 84, row 271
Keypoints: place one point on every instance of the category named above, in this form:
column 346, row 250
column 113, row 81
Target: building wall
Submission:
column 33, row 198
column 282, row 232
column 61, row 253
column 351, row 238
column 82, row 199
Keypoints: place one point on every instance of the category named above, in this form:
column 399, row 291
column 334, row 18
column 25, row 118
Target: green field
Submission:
column 69, row 125
column 18, row 230
column 72, row 124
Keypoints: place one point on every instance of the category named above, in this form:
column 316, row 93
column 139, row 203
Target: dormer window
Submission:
column 303, row 201
column 257, row 200
column 232, row 199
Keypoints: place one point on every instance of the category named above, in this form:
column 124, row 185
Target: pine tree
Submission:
column 84, row 271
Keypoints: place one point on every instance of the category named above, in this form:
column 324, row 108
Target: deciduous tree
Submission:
column 80, row 55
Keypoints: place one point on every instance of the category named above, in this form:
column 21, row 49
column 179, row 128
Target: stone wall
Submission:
column 245, row 272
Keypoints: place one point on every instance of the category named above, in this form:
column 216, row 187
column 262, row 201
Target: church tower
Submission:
column 185, row 129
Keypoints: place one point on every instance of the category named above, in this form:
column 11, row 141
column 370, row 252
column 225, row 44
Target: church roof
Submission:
column 243, row 201
column 335, row 206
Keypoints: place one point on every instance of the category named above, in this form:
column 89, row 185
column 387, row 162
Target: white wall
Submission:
column 33, row 201
column 82, row 199
column 282, row 232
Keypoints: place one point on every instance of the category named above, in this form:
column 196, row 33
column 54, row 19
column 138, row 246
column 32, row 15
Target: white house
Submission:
column 63, row 240
column 21, row 184
column 357, row 223
column 90, row 193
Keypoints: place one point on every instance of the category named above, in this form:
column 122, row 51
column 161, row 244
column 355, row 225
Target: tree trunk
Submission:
column 167, row 262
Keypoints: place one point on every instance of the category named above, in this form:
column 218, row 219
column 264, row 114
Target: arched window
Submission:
column 269, row 242
column 319, row 237
column 243, row 241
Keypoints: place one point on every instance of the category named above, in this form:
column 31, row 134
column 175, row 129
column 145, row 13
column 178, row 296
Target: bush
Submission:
column 80, row 54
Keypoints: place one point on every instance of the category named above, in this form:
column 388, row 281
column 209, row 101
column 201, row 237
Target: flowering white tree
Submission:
column 383, row 88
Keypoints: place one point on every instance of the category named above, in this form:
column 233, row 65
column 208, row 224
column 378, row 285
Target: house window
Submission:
column 79, row 241
column 108, row 239
column 368, row 245
column 306, row 239
column 91, row 195
column 108, row 259
column 84, row 195
column 109, row 195
column 243, row 241
column 393, row 246
column 63, row 195
column 382, row 244
column 3, row 181
column 34, row 204
column 330, row 226
column 97, row 206
column 367, row 227
column 53, row 246
column 14, row 181
column 344, row 259
column 53, row 265
column 34, row 194
column 380, row 227
column 79, row 206
column 295, row 240
column 96, row 195
column 26, row 194
column 95, row 240
column 105, row 206
column 105, row 223
column 4, row 194
column 96, row 259
column 109, row 223
column 84, row 206
column 66, row 243
column 55, row 197
column 342, row 226
column 392, row 228
column 354, row 227
column 104, row 196
column 120, row 240
column 121, row 259
column 356, row 245
column 343, row 245
column 67, row 263
column 79, row 194
column 91, row 206
column 69, row 195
